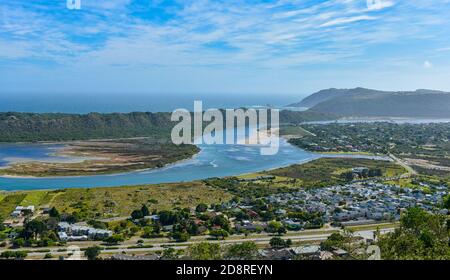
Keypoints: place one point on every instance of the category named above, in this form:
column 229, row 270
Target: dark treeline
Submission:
column 31, row 127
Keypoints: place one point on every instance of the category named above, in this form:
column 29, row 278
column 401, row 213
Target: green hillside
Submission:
column 362, row 102
column 29, row 127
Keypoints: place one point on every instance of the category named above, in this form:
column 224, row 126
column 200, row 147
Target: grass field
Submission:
column 105, row 202
column 294, row 131
column 117, row 201
column 9, row 203
column 34, row 198
column 326, row 171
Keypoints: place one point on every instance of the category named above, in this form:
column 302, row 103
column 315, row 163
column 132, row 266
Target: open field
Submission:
column 326, row 171
column 318, row 173
column 293, row 131
column 106, row 157
column 9, row 203
column 117, row 201
column 34, row 198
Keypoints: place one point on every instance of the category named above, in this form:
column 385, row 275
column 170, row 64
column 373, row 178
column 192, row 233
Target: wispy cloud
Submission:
column 222, row 35
column 344, row 20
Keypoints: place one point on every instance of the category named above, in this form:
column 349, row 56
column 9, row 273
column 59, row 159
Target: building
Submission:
column 73, row 232
column 22, row 210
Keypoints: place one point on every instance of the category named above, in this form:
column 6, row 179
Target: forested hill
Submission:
column 402, row 104
column 362, row 102
column 29, row 127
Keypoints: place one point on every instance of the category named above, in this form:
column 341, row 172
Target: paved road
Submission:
column 300, row 237
column 402, row 163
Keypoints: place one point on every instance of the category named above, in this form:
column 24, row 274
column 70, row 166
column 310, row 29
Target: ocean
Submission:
column 123, row 103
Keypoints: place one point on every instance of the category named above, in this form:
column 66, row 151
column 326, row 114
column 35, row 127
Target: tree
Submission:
column 114, row 239
column 204, row 251
column 447, row 202
column 169, row 254
column 375, row 172
column 282, row 230
column 348, row 176
column 219, row 233
column 137, row 214
column 13, row 255
column 243, row 251
column 18, row 242
column 274, row 226
column 181, row 236
column 202, row 207
column 145, row 211
column 335, row 240
column 168, row 217
column 92, row 253
column 221, row 221
column 421, row 235
column 34, row 228
column 277, row 243
column 54, row 213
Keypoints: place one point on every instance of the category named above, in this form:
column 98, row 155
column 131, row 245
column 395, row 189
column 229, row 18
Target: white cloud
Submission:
column 379, row 4
column 427, row 64
column 345, row 20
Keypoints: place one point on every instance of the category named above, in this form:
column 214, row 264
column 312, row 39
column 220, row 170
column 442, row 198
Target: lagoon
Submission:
column 212, row 161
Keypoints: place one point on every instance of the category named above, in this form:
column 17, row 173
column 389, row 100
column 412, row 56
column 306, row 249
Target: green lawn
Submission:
column 34, row 198
column 9, row 203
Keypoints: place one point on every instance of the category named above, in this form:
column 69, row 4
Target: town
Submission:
column 279, row 223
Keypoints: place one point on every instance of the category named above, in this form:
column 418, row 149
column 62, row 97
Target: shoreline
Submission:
column 167, row 165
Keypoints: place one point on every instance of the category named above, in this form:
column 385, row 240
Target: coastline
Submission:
column 167, row 165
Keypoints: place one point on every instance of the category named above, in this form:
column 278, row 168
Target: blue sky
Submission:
column 223, row 47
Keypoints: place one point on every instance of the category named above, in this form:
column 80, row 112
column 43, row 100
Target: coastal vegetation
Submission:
column 106, row 157
column 30, row 127
column 331, row 171
column 115, row 201
column 421, row 236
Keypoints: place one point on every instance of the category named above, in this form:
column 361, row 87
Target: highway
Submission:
column 303, row 236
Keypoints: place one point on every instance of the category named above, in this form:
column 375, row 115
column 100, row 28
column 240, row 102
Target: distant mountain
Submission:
column 361, row 102
column 318, row 97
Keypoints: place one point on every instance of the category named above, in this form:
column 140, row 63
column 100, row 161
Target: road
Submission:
column 304, row 236
column 402, row 163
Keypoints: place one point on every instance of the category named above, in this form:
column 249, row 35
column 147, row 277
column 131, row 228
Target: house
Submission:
column 307, row 251
column 340, row 253
column 250, row 226
column 360, row 171
column 293, row 225
column 153, row 218
column 280, row 212
column 62, row 236
column 73, row 232
column 283, row 254
column 22, row 210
